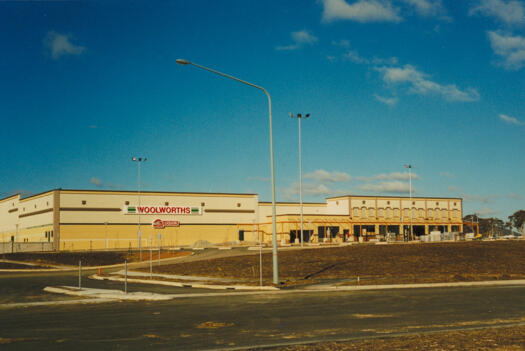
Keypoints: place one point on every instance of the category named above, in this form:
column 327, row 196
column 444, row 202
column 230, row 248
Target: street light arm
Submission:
column 228, row 76
column 274, row 215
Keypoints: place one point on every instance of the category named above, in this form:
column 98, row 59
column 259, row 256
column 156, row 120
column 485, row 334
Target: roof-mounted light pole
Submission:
column 274, row 227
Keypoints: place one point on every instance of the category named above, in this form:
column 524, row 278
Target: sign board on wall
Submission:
column 163, row 210
column 160, row 224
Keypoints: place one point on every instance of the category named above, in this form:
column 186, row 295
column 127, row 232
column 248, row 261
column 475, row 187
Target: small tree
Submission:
column 517, row 220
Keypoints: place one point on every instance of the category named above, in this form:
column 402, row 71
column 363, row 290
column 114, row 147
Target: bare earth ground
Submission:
column 373, row 264
column 88, row 258
column 500, row 339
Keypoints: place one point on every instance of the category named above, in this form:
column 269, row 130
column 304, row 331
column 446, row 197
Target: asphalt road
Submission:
column 236, row 321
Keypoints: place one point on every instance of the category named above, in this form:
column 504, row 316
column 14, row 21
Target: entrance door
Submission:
column 357, row 232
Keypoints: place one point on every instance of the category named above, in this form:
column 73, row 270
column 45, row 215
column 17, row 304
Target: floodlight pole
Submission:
column 274, row 226
column 139, row 160
column 299, row 118
column 410, row 182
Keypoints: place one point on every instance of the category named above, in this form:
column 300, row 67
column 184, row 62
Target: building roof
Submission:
column 396, row 197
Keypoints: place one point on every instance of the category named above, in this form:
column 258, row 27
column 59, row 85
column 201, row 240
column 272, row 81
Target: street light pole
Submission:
column 139, row 160
column 411, row 209
column 299, row 117
column 274, row 226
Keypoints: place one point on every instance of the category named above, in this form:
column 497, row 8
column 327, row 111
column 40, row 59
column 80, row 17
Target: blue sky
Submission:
column 86, row 85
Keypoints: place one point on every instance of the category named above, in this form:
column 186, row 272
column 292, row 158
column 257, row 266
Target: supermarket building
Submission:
column 100, row 219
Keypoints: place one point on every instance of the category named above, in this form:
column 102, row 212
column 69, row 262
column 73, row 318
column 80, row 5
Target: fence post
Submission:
column 126, row 276
column 79, row 275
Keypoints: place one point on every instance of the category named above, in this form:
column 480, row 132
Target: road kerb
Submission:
column 185, row 285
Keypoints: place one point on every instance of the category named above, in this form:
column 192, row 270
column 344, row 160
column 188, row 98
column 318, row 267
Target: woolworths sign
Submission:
column 163, row 210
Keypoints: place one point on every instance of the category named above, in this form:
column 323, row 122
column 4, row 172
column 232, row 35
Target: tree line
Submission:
column 495, row 226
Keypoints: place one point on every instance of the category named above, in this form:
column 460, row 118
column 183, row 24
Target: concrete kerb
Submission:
column 414, row 286
column 185, row 285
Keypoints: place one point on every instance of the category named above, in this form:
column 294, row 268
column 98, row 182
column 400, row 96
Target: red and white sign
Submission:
column 160, row 224
column 161, row 210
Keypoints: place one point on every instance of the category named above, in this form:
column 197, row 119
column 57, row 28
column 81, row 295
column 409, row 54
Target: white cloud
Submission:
column 292, row 191
column 388, row 187
column 515, row 196
column 300, row 39
column 453, row 188
column 510, row 48
column 96, row 182
column 360, row 11
column 386, row 100
column 60, row 44
column 323, row 176
column 510, row 12
column 304, row 37
column 389, row 176
column 421, row 85
column 427, row 7
column 353, row 56
column 510, row 120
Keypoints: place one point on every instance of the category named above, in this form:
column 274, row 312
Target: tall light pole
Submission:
column 274, row 226
column 410, row 187
column 139, row 160
column 299, row 118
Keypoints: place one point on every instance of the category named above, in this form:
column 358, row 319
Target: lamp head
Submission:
column 133, row 159
column 182, row 62
column 307, row 115
column 291, row 115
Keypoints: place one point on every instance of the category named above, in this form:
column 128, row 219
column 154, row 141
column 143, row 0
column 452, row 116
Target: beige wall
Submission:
column 32, row 220
column 283, row 208
column 83, row 225
column 101, row 207
column 8, row 217
column 77, row 237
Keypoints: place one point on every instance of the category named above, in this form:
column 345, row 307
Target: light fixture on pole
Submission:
column 274, row 226
column 139, row 160
column 299, row 118
column 411, row 209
